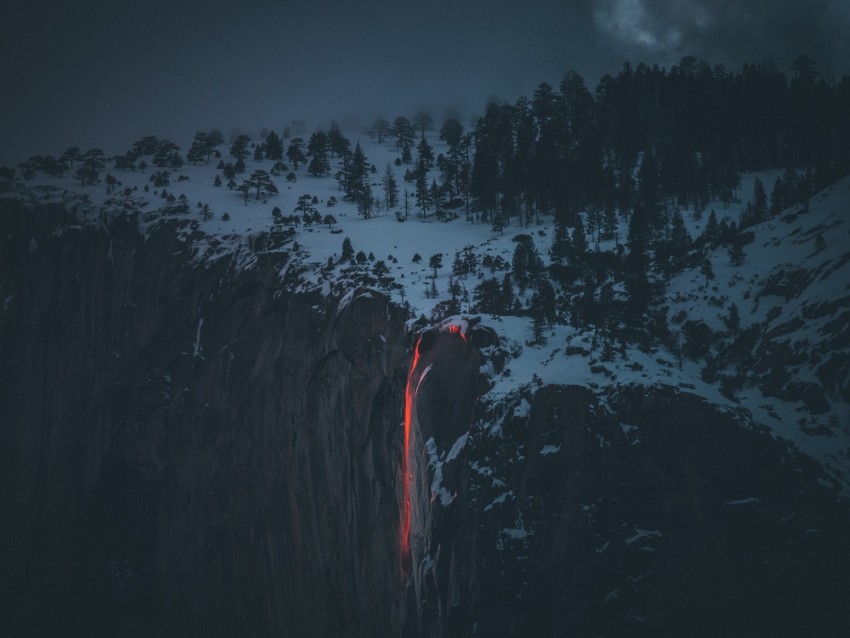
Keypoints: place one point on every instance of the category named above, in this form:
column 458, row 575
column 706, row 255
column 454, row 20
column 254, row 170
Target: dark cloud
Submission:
column 97, row 72
column 730, row 31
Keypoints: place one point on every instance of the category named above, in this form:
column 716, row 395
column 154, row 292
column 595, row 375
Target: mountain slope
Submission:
column 563, row 477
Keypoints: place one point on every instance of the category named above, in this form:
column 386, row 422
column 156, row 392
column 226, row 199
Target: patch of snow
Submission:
column 743, row 501
column 499, row 500
column 457, row 446
column 198, row 350
column 522, row 410
column 641, row 534
column 517, row 533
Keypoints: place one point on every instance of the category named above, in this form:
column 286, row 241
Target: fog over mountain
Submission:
column 104, row 72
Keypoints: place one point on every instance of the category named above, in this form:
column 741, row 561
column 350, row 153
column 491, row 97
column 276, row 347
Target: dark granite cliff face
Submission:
column 186, row 450
column 653, row 513
column 189, row 449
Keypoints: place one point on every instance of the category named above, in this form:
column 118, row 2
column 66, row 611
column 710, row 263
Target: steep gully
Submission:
column 192, row 450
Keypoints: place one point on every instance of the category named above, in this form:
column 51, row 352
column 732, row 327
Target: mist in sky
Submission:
column 99, row 73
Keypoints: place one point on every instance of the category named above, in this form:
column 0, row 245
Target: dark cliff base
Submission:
column 188, row 450
column 184, row 450
column 659, row 515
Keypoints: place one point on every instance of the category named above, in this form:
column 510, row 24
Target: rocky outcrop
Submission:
column 651, row 513
column 444, row 384
column 187, row 449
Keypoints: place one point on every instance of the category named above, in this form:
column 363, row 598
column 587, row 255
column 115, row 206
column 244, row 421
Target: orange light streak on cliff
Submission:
column 409, row 397
column 456, row 330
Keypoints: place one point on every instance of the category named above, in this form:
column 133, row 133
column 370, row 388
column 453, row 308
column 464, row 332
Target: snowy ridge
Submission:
column 784, row 361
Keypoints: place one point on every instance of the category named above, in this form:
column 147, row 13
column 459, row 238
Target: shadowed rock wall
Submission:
column 185, row 450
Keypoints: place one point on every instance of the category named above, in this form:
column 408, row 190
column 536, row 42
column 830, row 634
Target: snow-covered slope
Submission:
column 786, row 363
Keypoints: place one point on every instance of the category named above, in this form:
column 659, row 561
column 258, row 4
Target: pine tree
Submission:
column 733, row 320
column 435, row 263
column 239, row 148
column 423, row 122
column 201, row 148
column 318, row 146
column 261, row 181
column 425, row 153
column 487, row 297
column 403, row 131
column 757, row 210
column 423, row 199
column 711, row 234
column 561, row 244
column 347, row 250
column 736, row 254
column 167, row 155
column 498, row 224
column 365, row 201
column 436, row 200
column 537, row 330
column 339, row 144
column 526, row 262
column 71, row 155
column 543, row 302
column 680, row 240
column 380, row 130
column 406, row 204
column 274, row 147
column 355, row 173
column 295, row 152
column 451, row 132
column 706, row 271
column 390, row 188
column 91, row 162
column 304, row 206
column 776, row 199
column 381, row 270
column 579, row 240
column 506, row 299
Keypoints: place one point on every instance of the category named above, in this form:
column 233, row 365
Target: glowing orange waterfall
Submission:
column 409, row 397
column 458, row 331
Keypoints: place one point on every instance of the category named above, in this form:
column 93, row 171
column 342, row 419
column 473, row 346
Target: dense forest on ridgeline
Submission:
column 648, row 146
column 686, row 134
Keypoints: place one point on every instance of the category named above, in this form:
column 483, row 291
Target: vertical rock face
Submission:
column 654, row 513
column 445, row 384
column 186, row 450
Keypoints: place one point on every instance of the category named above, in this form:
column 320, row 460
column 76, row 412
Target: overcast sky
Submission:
column 103, row 73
